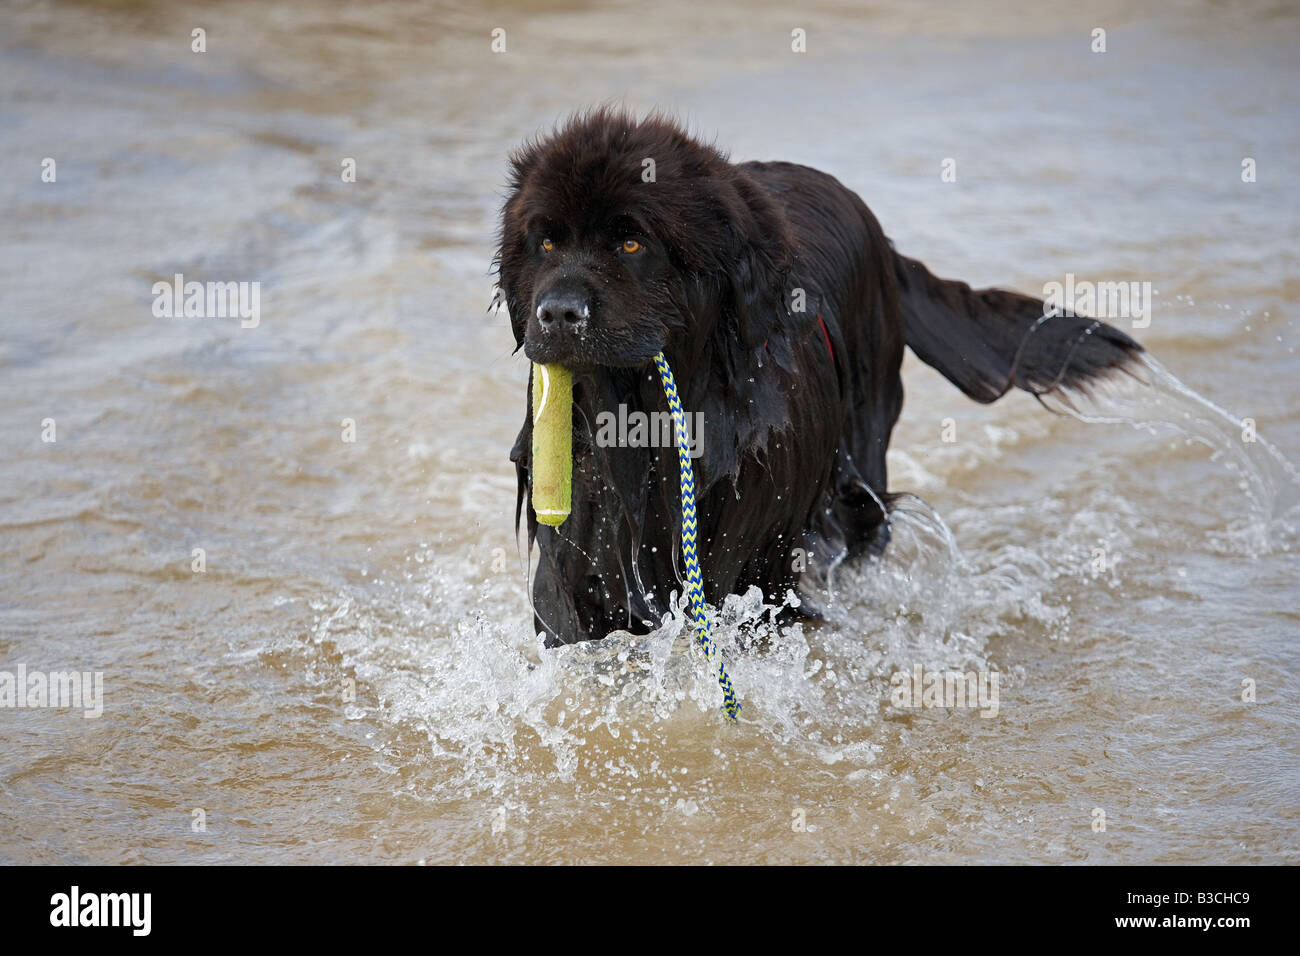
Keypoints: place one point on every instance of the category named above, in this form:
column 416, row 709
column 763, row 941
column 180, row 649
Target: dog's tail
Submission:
column 985, row 341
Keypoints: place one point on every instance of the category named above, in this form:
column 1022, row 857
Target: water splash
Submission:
column 454, row 676
column 1152, row 398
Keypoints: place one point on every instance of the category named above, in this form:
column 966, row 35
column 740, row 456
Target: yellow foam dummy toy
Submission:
column 552, row 443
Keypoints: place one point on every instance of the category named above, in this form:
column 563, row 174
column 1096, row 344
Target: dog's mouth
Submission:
column 591, row 358
column 583, row 340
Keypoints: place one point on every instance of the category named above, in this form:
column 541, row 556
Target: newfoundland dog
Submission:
column 783, row 310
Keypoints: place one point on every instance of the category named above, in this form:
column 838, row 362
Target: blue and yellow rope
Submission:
column 694, row 583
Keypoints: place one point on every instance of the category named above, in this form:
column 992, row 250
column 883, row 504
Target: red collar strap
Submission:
column 829, row 348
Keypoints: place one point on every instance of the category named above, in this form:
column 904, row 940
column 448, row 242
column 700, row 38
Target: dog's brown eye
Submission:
column 631, row 245
column 547, row 245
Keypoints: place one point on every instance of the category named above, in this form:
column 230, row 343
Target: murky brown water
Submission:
column 391, row 562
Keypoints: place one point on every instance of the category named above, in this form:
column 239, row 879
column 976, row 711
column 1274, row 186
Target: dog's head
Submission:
column 617, row 230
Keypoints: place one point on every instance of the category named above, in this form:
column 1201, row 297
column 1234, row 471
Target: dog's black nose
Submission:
column 566, row 308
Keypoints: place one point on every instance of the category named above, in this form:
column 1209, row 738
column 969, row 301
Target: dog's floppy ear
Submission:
column 758, row 290
column 759, row 267
column 509, row 263
column 511, row 272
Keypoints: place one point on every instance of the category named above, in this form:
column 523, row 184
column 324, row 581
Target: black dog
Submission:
column 783, row 311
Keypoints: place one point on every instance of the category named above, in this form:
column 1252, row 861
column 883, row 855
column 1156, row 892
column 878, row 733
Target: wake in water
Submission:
column 501, row 712
column 1153, row 399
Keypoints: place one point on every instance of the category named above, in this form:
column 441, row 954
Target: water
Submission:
column 353, row 677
